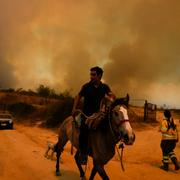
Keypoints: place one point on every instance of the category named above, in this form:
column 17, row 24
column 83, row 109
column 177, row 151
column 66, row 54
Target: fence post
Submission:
column 145, row 110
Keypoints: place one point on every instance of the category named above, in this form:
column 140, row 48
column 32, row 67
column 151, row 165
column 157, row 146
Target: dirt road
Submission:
column 22, row 157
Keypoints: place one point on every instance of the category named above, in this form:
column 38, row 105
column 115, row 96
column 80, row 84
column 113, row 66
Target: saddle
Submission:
column 95, row 120
column 92, row 121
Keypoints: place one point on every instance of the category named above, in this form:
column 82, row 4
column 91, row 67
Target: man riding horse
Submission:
column 93, row 92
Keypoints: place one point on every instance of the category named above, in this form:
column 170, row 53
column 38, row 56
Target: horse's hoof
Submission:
column 58, row 173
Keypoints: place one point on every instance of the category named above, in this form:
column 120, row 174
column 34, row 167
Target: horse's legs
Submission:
column 76, row 157
column 58, row 153
column 93, row 173
column 58, row 148
column 101, row 172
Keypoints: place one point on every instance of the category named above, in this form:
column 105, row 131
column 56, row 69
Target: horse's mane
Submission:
column 121, row 101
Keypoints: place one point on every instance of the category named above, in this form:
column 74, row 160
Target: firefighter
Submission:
column 169, row 132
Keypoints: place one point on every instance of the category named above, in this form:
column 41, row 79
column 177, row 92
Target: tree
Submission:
column 43, row 91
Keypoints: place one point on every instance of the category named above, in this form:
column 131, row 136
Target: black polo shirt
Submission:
column 93, row 96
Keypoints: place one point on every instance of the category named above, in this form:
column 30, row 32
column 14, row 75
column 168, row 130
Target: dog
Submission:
column 50, row 147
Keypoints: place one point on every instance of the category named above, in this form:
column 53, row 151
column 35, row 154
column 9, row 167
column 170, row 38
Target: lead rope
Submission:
column 121, row 155
column 73, row 126
column 120, row 145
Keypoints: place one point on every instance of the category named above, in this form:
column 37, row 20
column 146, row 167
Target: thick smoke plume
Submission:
column 56, row 42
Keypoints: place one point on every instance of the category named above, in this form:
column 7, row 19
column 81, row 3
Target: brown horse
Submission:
column 101, row 141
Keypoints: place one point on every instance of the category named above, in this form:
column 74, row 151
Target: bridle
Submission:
column 123, row 121
column 116, row 138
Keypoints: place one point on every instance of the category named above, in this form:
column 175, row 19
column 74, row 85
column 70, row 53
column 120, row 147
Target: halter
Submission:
column 123, row 121
column 115, row 138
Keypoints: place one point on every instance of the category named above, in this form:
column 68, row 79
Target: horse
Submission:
column 101, row 141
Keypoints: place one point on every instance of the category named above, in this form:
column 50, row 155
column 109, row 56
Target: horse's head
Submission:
column 120, row 121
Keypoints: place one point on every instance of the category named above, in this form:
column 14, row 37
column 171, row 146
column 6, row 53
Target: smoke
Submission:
column 14, row 15
column 56, row 42
column 147, row 66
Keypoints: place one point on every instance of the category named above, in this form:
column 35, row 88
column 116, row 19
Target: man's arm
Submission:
column 110, row 96
column 76, row 102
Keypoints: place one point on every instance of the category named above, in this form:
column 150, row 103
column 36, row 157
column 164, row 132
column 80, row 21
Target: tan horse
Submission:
column 102, row 141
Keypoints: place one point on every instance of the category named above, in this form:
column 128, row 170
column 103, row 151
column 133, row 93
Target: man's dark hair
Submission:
column 98, row 70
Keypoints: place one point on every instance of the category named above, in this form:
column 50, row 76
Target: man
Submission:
column 92, row 92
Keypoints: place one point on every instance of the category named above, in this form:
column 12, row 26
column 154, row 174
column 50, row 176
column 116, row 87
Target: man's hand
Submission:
column 110, row 96
column 73, row 113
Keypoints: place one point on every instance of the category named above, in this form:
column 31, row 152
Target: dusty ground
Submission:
column 22, row 157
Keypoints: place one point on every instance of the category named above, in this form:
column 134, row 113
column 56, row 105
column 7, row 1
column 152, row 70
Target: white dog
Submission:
column 50, row 147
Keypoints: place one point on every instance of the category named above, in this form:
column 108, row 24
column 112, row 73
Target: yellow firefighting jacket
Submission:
column 168, row 134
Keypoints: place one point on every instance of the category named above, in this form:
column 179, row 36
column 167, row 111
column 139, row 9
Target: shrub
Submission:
column 21, row 109
column 58, row 112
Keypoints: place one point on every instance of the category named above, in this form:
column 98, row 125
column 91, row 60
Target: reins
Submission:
column 80, row 111
column 73, row 125
column 121, row 146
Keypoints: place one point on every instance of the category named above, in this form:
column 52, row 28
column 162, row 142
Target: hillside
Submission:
column 51, row 112
column 35, row 109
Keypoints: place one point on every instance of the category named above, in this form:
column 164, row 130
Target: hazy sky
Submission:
column 55, row 42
